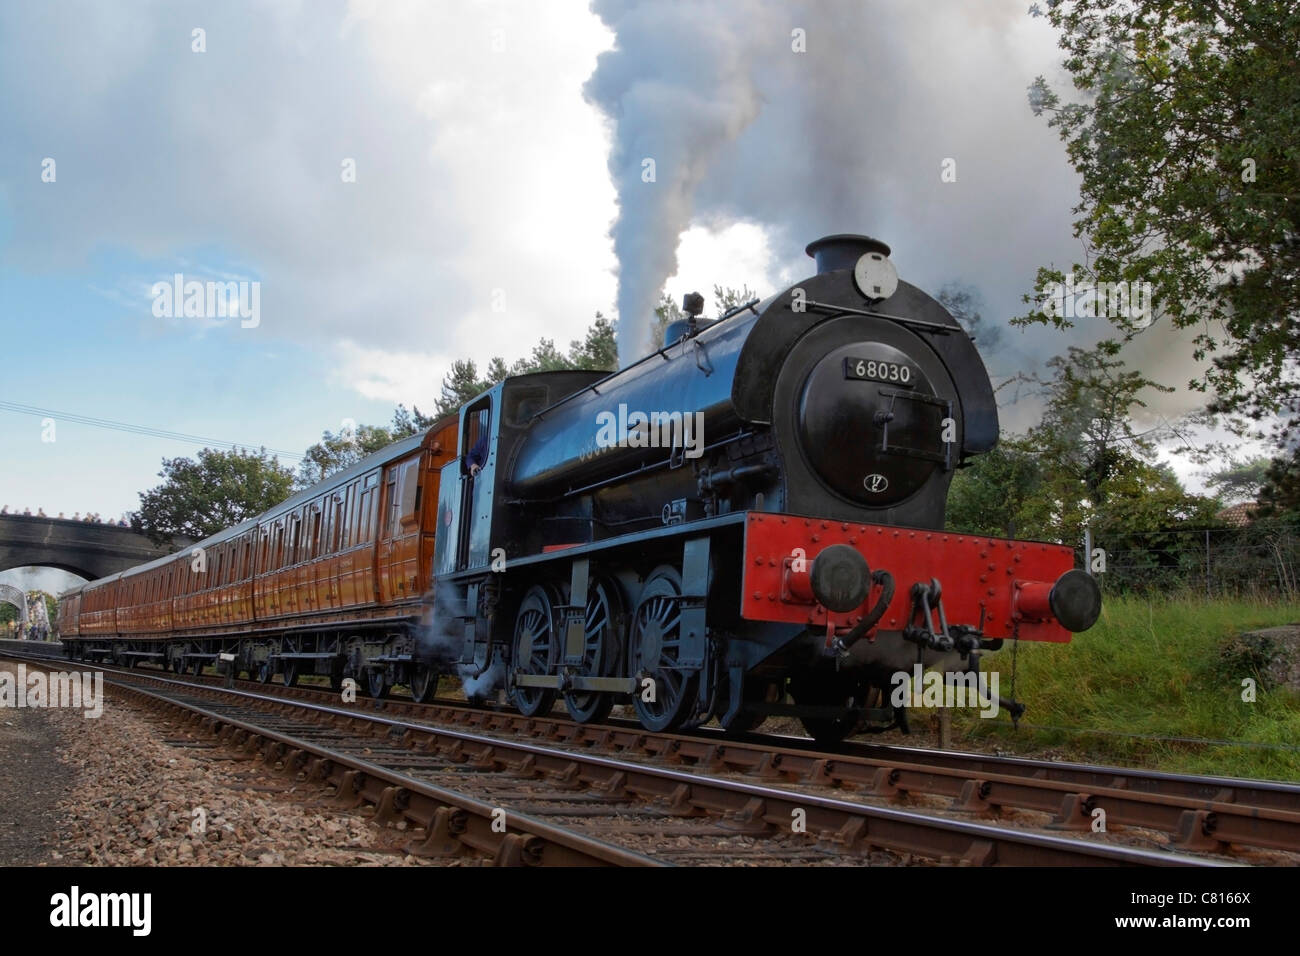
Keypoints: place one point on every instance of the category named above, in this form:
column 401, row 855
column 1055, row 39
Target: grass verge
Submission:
column 1149, row 671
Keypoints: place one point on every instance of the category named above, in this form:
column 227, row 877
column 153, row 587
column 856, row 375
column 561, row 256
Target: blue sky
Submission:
column 88, row 349
column 493, row 145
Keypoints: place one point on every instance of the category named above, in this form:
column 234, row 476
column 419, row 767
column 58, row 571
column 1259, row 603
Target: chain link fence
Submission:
column 1258, row 560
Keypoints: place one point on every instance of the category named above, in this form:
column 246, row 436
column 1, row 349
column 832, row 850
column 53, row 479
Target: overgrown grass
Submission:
column 1156, row 668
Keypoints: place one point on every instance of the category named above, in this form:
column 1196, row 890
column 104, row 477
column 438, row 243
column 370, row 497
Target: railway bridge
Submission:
column 85, row 548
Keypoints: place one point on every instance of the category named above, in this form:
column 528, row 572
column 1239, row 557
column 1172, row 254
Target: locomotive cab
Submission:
column 465, row 491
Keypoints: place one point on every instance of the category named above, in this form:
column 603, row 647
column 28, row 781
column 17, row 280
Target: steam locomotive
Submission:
column 747, row 521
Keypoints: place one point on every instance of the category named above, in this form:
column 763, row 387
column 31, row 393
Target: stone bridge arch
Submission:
column 84, row 548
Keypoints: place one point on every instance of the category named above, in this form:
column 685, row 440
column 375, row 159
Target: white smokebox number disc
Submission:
column 875, row 276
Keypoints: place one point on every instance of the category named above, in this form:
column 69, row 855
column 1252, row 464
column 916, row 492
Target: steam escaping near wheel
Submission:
column 483, row 686
column 439, row 643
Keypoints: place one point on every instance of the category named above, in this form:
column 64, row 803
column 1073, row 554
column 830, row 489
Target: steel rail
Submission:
column 1200, row 812
column 847, row 823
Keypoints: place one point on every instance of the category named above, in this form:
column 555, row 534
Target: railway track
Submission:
column 32, row 648
column 521, row 801
column 1191, row 812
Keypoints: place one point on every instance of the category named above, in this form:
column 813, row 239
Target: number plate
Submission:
column 875, row 370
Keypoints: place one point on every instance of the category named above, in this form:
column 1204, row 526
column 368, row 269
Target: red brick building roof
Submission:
column 1238, row 516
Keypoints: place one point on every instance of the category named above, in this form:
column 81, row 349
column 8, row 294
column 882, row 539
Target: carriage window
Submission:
column 315, row 532
column 363, row 516
column 368, row 507
column 327, row 524
column 351, row 526
column 474, row 447
column 394, row 505
column 409, row 513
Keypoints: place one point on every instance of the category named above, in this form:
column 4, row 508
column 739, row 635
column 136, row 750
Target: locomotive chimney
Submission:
column 842, row 251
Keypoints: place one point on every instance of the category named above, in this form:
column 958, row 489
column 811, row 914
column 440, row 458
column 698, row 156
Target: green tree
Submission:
column 1280, row 494
column 220, row 489
column 462, row 383
column 725, row 297
column 1146, row 497
column 545, row 357
column 406, row 423
column 1087, row 437
column 1083, row 460
column 1144, row 529
column 997, row 495
column 497, row 371
column 336, row 451
column 1239, row 481
column 597, row 352
column 1185, row 138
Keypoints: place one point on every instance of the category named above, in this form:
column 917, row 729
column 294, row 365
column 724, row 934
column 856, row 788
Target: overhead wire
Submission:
column 145, row 430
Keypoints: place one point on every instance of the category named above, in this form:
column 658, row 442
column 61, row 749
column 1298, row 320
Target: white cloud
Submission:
column 730, row 255
column 476, row 170
column 407, row 377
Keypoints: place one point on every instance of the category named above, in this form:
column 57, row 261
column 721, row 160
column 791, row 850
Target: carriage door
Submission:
column 399, row 535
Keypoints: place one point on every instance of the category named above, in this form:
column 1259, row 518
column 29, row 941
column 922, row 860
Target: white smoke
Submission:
column 848, row 136
column 483, row 685
column 444, row 640
column 678, row 93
